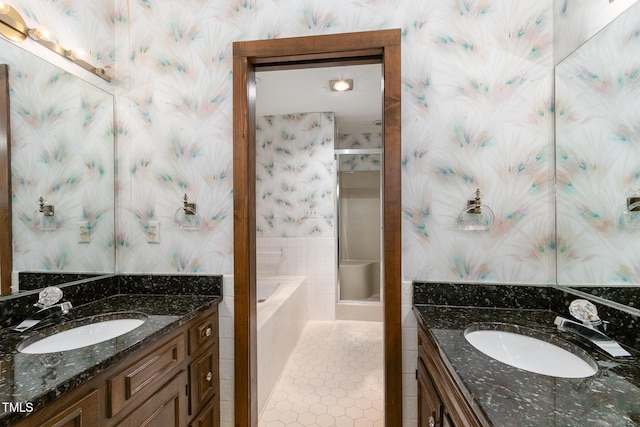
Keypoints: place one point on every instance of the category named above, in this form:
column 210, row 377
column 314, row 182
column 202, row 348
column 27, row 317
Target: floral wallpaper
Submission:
column 477, row 104
column 295, row 175
column 62, row 145
column 598, row 157
column 477, row 113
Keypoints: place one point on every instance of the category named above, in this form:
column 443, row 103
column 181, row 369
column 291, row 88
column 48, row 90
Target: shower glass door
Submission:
column 359, row 219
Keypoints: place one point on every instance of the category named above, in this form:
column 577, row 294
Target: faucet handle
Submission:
column 585, row 311
column 49, row 296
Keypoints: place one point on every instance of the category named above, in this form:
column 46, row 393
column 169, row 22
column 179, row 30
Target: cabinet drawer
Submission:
column 204, row 333
column 82, row 413
column 203, row 378
column 166, row 407
column 141, row 377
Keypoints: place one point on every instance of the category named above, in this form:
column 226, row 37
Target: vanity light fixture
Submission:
column 14, row 28
column 342, row 85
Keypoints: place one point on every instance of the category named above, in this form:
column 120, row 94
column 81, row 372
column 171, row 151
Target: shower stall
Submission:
column 359, row 234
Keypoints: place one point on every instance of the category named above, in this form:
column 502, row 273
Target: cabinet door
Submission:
column 209, row 416
column 165, row 408
column 81, row 414
column 203, row 373
column 429, row 403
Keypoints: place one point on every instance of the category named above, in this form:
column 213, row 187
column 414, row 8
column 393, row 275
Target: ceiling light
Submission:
column 341, row 85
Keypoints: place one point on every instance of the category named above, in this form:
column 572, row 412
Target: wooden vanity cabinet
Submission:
column 173, row 383
column 441, row 403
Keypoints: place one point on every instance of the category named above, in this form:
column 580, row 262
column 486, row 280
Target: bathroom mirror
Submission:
column 62, row 169
column 597, row 89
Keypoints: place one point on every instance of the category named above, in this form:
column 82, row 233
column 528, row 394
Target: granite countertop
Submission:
column 40, row 379
column 508, row 396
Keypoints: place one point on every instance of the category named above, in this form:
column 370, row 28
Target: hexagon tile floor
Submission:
column 333, row 378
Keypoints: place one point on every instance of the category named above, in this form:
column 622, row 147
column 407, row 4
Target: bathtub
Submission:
column 359, row 279
column 281, row 316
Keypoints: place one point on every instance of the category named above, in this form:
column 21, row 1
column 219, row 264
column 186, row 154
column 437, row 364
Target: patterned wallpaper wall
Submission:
column 295, row 174
column 598, row 151
column 477, row 113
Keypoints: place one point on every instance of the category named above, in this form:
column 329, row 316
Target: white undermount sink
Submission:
column 99, row 330
column 508, row 345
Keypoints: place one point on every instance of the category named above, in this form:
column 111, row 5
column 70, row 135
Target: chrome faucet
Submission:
column 49, row 305
column 589, row 332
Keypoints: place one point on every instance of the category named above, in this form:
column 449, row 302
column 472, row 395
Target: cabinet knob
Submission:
column 432, row 422
column 209, row 376
column 208, row 332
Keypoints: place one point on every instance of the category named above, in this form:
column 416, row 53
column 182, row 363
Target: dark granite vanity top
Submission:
column 508, row 396
column 40, row 379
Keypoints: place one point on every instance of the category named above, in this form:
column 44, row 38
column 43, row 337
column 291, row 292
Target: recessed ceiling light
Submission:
column 341, row 85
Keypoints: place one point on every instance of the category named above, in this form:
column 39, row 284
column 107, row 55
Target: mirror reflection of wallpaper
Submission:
column 62, row 146
column 295, row 172
column 575, row 22
column 598, row 157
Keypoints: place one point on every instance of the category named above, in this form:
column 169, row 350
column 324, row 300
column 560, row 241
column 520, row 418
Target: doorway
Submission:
column 381, row 47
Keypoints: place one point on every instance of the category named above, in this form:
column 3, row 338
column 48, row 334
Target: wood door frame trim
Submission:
column 6, row 245
column 305, row 52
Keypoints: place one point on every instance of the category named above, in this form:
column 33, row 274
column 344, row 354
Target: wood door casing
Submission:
column 6, row 243
column 304, row 52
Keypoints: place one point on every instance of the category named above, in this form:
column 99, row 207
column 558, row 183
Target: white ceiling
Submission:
column 307, row 91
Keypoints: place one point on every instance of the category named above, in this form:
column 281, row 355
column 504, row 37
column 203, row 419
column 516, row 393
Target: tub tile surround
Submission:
column 509, row 396
column 280, row 322
column 41, row 380
column 314, row 258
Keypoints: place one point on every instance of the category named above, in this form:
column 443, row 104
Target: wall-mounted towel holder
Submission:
column 187, row 217
column 476, row 216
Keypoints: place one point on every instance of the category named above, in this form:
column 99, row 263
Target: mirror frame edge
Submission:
column 6, row 244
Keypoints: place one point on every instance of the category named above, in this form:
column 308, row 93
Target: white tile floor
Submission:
column 334, row 377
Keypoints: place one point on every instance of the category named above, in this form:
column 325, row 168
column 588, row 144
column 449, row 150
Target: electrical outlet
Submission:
column 310, row 213
column 153, row 232
column 84, row 235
